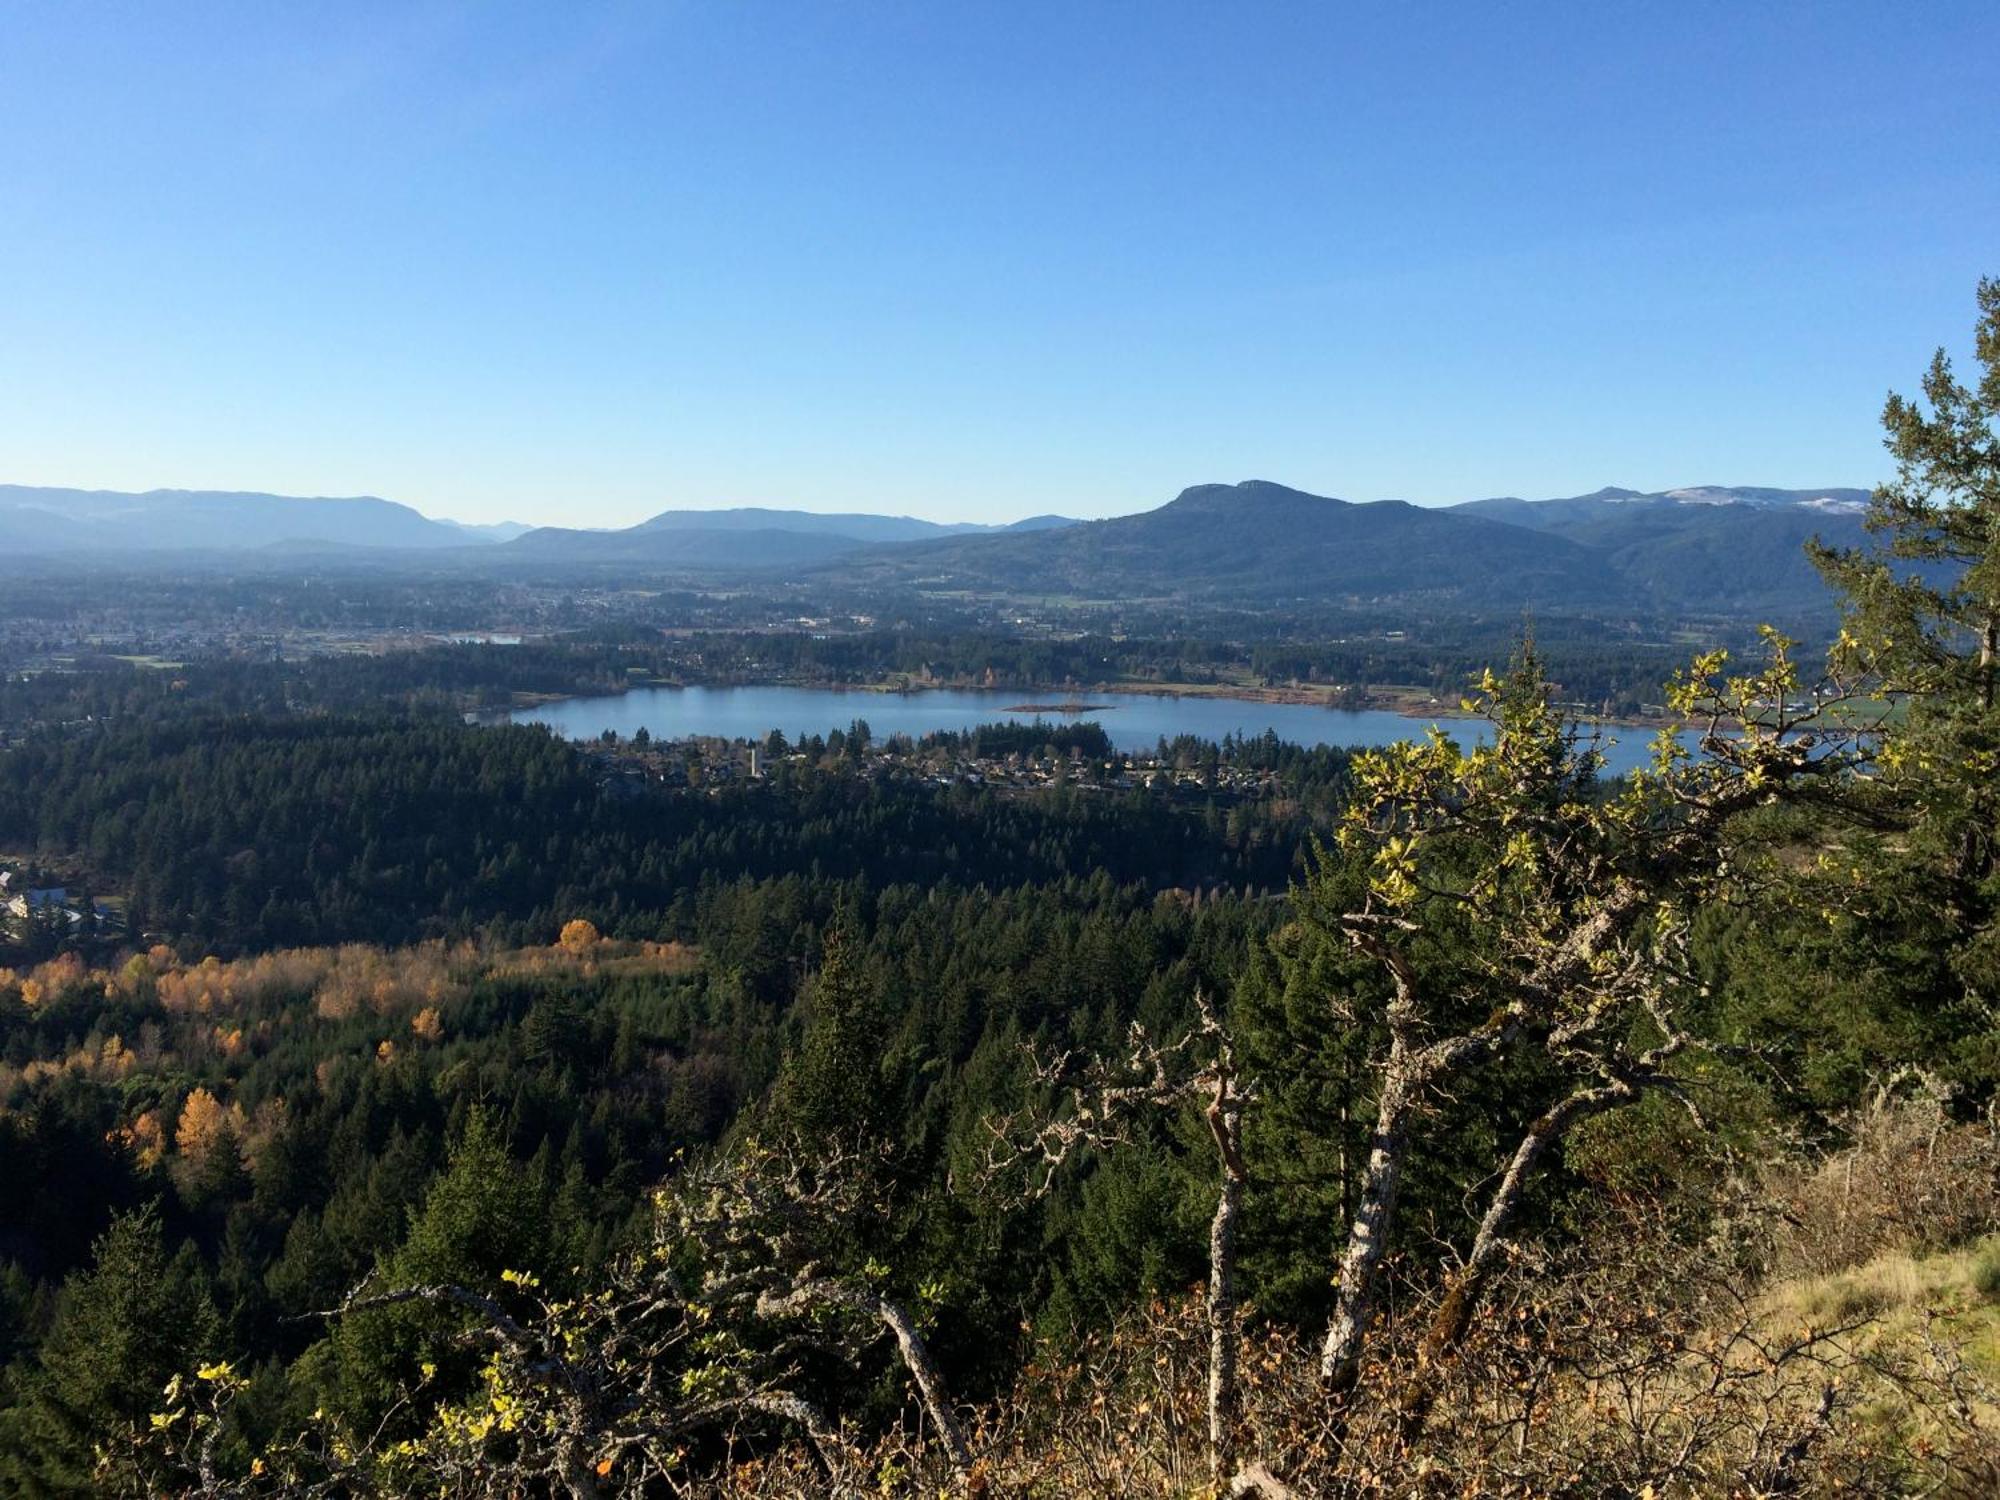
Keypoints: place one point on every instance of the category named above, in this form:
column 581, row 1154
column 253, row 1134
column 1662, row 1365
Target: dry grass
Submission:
column 1906, row 1297
column 1910, row 1180
column 1840, row 1335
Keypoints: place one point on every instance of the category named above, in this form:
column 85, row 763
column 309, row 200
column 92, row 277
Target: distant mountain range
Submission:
column 750, row 537
column 1544, row 514
column 1255, row 539
column 1727, row 548
column 1714, row 548
column 1731, row 549
column 37, row 520
column 34, row 520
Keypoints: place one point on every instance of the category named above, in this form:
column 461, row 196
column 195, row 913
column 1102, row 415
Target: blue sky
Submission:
column 967, row 260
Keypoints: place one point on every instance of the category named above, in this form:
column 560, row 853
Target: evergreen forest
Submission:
column 407, row 1105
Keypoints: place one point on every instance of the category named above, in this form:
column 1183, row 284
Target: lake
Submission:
column 1135, row 721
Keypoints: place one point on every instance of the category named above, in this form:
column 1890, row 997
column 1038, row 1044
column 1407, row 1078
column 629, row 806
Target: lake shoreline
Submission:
column 1135, row 723
column 1303, row 697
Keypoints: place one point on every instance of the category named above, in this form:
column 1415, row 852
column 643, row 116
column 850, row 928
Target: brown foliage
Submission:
column 1907, row 1180
column 1636, row 1367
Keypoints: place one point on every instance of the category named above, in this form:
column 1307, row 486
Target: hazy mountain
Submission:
column 860, row 528
column 750, row 537
column 50, row 521
column 60, row 520
column 1725, row 547
column 492, row 531
column 1259, row 540
column 674, row 547
column 1041, row 523
column 1711, row 549
column 28, row 529
column 1733, row 549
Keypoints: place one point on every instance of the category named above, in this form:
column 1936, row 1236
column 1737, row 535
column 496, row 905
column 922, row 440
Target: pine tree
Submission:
column 1930, row 637
column 1937, row 634
column 1921, row 623
column 481, row 1216
column 125, row 1327
column 833, row 1082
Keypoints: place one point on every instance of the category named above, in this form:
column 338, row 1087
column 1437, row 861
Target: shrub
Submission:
column 1986, row 1270
column 1910, row 1180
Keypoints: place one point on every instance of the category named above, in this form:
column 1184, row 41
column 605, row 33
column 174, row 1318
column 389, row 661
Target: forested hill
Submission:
column 1710, row 552
column 248, row 832
column 743, row 537
column 1709, row 548
column 1263, row 543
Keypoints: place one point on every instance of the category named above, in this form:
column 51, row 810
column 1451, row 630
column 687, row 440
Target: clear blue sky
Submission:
column 580, row 262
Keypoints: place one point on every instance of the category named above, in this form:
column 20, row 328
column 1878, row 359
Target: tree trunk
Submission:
column 579, row 1478
column 916, row 1354
column 1989, row 647
column 1404, row 1077
column 1259, row 1483
column 1225, row 1122
column 1368, row 1230
column 930, row 1383
column 1461, row 1300
column 1406, row 1074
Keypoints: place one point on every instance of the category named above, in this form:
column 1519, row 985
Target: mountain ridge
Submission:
column 49, row 520
column 1700, row 549
column 1723, row 549
column 46, row 518
column 1258, row 537
column 700, row 538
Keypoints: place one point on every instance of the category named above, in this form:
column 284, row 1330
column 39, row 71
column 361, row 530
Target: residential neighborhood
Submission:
column 24, row 905
column 711, row 763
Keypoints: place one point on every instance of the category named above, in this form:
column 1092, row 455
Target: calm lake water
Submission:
column 1135, row 721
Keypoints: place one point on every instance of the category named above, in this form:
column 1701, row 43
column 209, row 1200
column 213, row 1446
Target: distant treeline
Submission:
column 1604, row 669
column 1010, row 738
column 1597, row 668
column 251, row 832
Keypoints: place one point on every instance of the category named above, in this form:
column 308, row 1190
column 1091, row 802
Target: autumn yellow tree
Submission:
column 579, row 935
column 206, row 1124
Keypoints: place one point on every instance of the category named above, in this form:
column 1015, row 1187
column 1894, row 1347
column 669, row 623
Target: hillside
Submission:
column 44, row 520
column 1708, row 550
column 750, row 537
column 674, row 547
column 1264, row 542
column 1710, row 547
column 1738, row 551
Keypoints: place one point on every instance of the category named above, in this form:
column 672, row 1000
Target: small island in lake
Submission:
column 1059, row 708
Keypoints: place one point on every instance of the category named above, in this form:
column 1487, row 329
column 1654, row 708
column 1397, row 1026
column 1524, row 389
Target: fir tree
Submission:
column 125, row 1327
